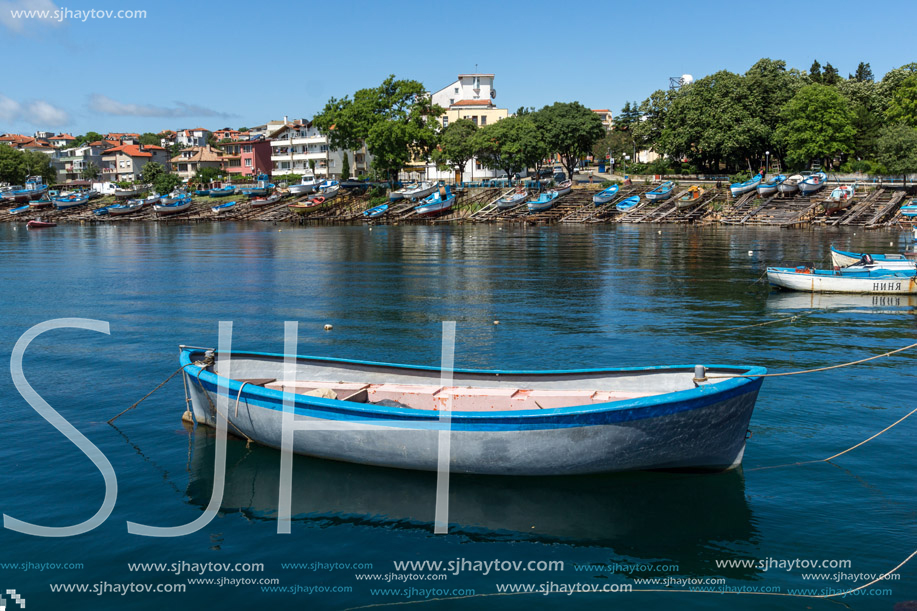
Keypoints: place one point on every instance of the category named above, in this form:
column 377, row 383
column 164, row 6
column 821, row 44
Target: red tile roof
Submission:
column 13, row 139
column 63, row 137
column 600, row 110
column 472, row 103
column 131, row 150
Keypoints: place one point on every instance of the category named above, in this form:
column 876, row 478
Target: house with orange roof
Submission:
column 125, row 162
column 606, row 117
column 71, row 163
column 296, row 143
column 16, row 140
column 187, row 163
column 470, row 96
column 198, row 136
column 249, row 157
column 61, row 140
column 123, row 138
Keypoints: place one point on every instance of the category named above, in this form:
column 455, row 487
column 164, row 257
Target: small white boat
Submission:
column 791, row 184
column 419, row 191
column 330, row 191
column 563, row 188
column 770, row 186
column 511, row 201
column 544, row 201
column 307, row 185
column 221, row 208
column 605, row 196
column 134, row 192
column 128, row 208
column 812, row 183
column 662, row 192
column 146, row 201
column 539, row 424
column 265, row 201
column 740, row 188
column 436, row 203
column 878, row 281
column 173, row 208
column 843, row 258
column 171, row 198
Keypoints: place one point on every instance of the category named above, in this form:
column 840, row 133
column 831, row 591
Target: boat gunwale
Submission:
column 747, row 379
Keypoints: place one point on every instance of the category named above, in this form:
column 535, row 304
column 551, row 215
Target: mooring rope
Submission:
column 175, row 373
column 817, row 369
column 760, row 324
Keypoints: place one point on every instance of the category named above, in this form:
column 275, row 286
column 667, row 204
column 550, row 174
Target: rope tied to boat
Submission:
column 208, row 360
column 817, row 369
column 792, row 318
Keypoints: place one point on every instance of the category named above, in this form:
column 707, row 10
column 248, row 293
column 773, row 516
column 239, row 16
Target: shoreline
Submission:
column 872, row 207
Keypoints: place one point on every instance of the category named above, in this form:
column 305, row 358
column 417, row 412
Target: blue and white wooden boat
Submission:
column 172, row 197
column 70, row 201
column 174, row 208
column 845, row 258
column 306, row 185
column 223, row 191
column 626, row 204
column 437, row 203
column 770, row 186
column 563, row 187
column 419, row 191
column 791, row 184
column 605, row 196
column 220, row 208
column 263, row 189
column 259, row 202
column 328, row 184
column 126, row 193
column 910, row 210
column 129, row 207
column 740, row 188
column 812, row 183
column 662, row 192
column 545, row 201
column 511, row 201
column 376, row 211
column 20, row 209
column 34, row 189
column 515, row 423
column 146, row 201
column 202, row 192
column 876, row 281
column 103, row 211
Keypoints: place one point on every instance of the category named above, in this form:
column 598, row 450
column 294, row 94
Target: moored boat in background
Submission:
column 662, row 192
column 129, row 207
column 40, row 224
column 544, row 201
column 740, row 188
column 223, row 191
column 436, row 203
column 265, row 201
column 606, row 195
column 376, row 211
column 812, row 183
column 306, row 185
column 691, row 198
column 878, row 281
column 419, row 191
column 791, row 184
column 174, row 208
column 627, row 203
column 770, row 186
column 220, row 208
column 513, row 200
column 844, row 258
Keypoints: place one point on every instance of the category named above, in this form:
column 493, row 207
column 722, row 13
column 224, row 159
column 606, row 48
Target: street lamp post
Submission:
column 626, row 157
column 767, row 163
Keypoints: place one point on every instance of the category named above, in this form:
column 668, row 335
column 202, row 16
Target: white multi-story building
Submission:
column 295, row 143
column 193, row 137
column 470, row 97
column 71, row 163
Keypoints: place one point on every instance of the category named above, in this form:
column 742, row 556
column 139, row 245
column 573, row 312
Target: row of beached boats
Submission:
column 804, row 183
column 854, row 272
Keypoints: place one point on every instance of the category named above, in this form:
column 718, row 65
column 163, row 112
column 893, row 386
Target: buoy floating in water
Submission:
column 328, row 327
column 188, row 417
column 496, row 322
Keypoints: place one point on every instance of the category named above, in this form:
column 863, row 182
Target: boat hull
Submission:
column 603, row 197
column 700, row 428
column 301, row 189
column 788, row 187
column 842, row 258
column 882, row 282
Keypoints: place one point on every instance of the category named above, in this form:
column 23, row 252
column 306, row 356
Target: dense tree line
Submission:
column 729, row 121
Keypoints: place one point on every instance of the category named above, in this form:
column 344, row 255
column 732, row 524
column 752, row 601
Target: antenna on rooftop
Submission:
column 677, row 82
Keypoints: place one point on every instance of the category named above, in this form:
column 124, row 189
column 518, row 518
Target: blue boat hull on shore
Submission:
column 663, row 419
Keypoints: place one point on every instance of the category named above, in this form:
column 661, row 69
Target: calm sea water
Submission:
column 565, row 297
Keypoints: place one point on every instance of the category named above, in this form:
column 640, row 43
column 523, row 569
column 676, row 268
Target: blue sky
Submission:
column 234, row 63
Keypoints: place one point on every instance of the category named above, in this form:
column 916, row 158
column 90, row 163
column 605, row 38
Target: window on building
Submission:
column 456, row 90
column 477, row 82
column 247, row 148
column 323, row 148
column 331, row 163
column 474, row 119
column 445, row 121
column 248, row 163
column 451, row 101
column 483, row 120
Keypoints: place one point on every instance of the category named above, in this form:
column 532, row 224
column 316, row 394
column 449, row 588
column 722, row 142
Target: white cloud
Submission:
column 104, row 104
column 36, row 112
column 16, row 15
column 9, row 109
column 40, row 112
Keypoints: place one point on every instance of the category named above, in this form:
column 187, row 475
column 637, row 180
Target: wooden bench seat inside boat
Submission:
column 435, row 397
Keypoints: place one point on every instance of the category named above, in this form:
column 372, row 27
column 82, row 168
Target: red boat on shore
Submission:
column 40, row 224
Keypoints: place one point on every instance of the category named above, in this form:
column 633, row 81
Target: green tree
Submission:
column 87, row 138
column 150, row 138
column 166, row 183
column 90, row 171
column 898, row 149
column 456, row 146
column 396, row 120
column 628, row 117
column 615, row 143
column 769, row 85
column 902, row 108
column 648, row 133
column 512, row 145
column 312, row 166
column 894, row 77
column 524, row 110
column 829, row 75
column 150, row 171
column 570, row 129
column 868, row 106
column 815, row 71
column 817, row 125
column 863, row 73
column 207, row 174
column 345, row 167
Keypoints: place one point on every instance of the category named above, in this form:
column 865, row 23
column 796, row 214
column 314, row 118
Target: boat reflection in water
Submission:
column 690, row 519
column 875, row 304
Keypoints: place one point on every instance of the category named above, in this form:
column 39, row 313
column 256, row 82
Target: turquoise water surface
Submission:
column 565, row 297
